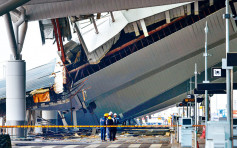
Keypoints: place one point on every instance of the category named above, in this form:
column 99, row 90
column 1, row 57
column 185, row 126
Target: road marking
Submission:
column 134, row 145
column 51, row 146
column 114, row 145
column 70, row 146
column 155, row 146
column 23, row 146
column 93, row 145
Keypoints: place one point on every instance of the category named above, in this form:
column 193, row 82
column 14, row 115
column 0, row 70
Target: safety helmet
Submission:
column 110, row 113
column 109, row 117
column 106, row 114
column 115, row 114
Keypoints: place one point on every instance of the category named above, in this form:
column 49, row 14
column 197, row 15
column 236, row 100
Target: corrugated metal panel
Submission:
column 109, row 32
column 178, row 98
column 149, row 72
column 45, row 9
column 35, row 78
column 159, row 15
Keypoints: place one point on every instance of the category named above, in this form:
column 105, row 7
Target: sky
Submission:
column 34, row 53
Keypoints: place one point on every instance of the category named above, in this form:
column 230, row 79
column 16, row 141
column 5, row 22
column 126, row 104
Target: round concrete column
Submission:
column 15, row 96
column 50, row 117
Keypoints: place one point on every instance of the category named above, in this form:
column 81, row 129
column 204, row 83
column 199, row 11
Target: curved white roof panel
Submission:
column 108, row 29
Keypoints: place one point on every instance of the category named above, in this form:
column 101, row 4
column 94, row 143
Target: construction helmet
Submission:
column 110, row 113
column 106, row 114
column 109, row 117
column 115, row 114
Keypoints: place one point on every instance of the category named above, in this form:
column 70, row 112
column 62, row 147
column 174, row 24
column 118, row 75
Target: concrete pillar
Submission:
column 74, row 114
column 50, row 117
column 15, row 96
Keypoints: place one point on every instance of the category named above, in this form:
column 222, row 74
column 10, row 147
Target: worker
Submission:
column 103, row 129
column 116, row 122
column 110, row 114
column 109, row 121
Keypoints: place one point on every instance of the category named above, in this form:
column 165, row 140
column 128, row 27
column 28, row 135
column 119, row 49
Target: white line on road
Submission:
column 114, row 145
column 49, row 146
column 134, row 145
column 70, row 146
column 93, row 145
column 23, row 146
column 155, row 146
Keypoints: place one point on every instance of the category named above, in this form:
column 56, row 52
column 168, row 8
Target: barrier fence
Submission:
column 74, row 126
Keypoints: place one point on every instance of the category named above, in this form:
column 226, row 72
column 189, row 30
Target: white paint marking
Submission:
column 134, row 145
column 51, row 146
column 23, row 146
column 70, row 146
column 114, row 145
column 155, row 146
column 93, row 145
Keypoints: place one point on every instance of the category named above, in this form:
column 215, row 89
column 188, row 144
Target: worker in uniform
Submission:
column 103, row 129
column 109, row 121
column 110, row 114
column 116, row 122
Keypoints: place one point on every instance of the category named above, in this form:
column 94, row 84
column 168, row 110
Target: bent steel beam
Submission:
column 11, row 5
column 22, row 19
column 11, row 36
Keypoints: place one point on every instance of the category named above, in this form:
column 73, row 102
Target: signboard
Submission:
column 189, row 100
column 218, row 72
column 186, row 100
column 190, row 96
column 232, row 59
column 214, row 86
column 209, row 92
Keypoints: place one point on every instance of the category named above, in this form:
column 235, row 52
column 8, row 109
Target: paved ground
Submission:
column 99, row 146
column 94, row 142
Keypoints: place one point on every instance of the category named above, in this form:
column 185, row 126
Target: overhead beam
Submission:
column 11, row 5
column 56, row 9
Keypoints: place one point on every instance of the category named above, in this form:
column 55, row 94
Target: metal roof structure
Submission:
column 38, row 77
column 156, row 76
